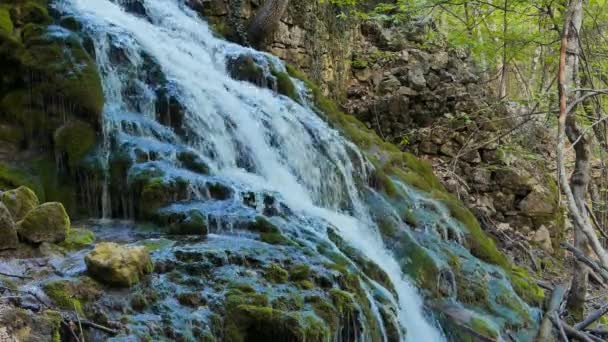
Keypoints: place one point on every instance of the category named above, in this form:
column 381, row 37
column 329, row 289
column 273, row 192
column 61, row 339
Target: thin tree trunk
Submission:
column 504, row 70
column 576, row 190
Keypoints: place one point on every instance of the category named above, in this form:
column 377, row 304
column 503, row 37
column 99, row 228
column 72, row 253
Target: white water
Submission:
column 294, row 153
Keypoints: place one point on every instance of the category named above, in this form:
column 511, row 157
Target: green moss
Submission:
column 34, row 12
column 276, row 274
column 77, row 239
column 526, row 287
column 269, row 233
column 292, row 302
column 54, row 319
column 75, row 139
column 6, row 24
column 483, row 327
column 359, row 64
column 285, row 85
column 11, row 178
column 64, row 294
column 20, row 201
column 299, row 272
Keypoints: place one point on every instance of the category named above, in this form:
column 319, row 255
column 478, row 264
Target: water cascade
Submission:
column 230, row 151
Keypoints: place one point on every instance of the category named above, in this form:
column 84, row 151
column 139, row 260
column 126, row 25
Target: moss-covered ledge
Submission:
column 392, row 163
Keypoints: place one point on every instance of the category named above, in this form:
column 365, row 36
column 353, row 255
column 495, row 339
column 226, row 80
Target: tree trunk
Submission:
column 576, row 190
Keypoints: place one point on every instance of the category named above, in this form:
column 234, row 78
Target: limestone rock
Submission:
column 118, row 265
column 7, row 229
column 538, row 202
column 20, row 201
column 543, row 238
column 416, row 78
column 47, row 223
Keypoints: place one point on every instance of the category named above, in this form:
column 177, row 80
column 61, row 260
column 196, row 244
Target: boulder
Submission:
column 543, row 238
column 20, row 201
column 118, row 265
column 48, row 222
column 7, row 229
column 538, row 202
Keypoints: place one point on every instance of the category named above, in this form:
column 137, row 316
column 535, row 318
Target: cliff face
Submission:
column 310, row 36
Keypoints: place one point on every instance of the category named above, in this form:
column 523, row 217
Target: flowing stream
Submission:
column 251, row 138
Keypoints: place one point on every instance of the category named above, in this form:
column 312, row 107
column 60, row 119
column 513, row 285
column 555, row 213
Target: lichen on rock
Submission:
column 20, row 201
column 48, row 222
column 118, row 265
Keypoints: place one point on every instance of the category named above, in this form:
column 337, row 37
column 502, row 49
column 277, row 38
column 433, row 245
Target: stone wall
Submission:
column 310, row 36
column 430, row 101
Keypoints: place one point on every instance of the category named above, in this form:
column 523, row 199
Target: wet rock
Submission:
column 47, row 223
column 8, row 232
column 20, row 201
column 118, row 265
column 245, row 68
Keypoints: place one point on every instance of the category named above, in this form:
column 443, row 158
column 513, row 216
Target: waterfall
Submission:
column 251, row 138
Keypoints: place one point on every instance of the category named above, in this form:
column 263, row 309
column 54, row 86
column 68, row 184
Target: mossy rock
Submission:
column 189, row 222
column 118, row 265
column 269, row 233
column 77, row 239
column 20, row 201
column 69, row 74
column 72, row 294
column 8, row 230
column 276, row 274
column 285, row 85
column 75, row 139
column 48, row 222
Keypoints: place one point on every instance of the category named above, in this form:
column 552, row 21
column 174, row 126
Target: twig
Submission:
column 594, row 316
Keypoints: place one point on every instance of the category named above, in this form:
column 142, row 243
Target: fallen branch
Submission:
column 99, row 327
column 570, row 331
column 594, row 316
column 557, row 296
column 560, row 328
column 601, row 271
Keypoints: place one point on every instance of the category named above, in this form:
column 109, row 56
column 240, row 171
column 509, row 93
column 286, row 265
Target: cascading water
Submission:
column 252, row 139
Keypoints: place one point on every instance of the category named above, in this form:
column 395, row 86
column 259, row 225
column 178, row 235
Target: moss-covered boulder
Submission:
column 77, row 239
column 8, row 232
column 74, row 140
column 118, row 265
column 48, row 222
column 20, row 201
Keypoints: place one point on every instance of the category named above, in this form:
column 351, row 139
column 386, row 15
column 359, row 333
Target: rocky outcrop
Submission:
column 48, row 222
column 20, row 201
column 118, row 265
column 310, row 35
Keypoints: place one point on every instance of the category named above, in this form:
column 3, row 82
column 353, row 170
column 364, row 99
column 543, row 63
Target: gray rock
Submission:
column 416, row 78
